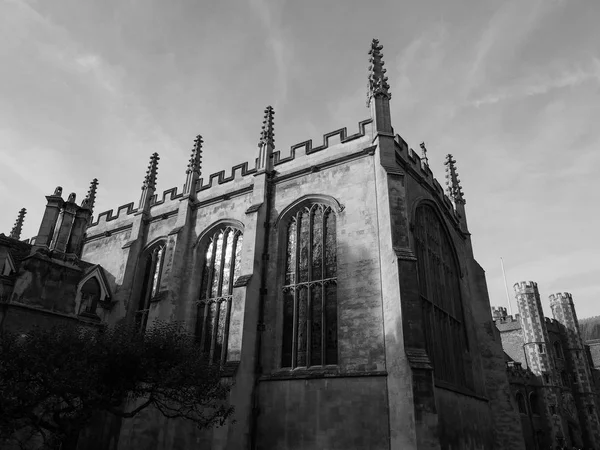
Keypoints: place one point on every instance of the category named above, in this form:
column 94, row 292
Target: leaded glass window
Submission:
column 310, row 289
column 153, row 259
column 222, row 257
column 439, row 286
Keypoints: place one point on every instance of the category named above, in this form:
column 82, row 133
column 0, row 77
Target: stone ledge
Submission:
column 327, row 372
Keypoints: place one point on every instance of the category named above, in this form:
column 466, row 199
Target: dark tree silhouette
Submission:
column 52, row 381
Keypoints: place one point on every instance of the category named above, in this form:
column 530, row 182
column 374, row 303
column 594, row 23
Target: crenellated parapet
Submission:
column 499, row 312
column 306, row 147
column 410, row 161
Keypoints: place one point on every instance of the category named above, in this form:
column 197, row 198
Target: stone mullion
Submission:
column 215, row 330
column 223, row 258
column 234, row 244
column 211, row 267
column 309, row 305
column 322, row 286
column 226, row 330
column 203, row 336
column 295, row 290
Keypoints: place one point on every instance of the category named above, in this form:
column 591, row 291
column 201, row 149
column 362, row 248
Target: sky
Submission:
column 90, row 89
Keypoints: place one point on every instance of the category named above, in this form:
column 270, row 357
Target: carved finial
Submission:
column 424, row 158
column 90, row 198
column 16, row 230
column 151, row 173
column 453, row 188
column 267, row 135
column 58, row 191
column 72, row 197
column 195, row 163
column 378, row 85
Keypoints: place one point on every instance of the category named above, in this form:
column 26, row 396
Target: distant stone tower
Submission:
column 563, row 311
column 537, row 350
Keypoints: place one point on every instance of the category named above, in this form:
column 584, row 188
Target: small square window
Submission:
column 553, row 409
column 547, row 379
column 590, row 409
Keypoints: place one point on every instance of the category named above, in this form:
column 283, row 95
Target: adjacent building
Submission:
column 551, row 372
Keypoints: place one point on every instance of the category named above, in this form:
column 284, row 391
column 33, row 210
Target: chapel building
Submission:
column 335, row 283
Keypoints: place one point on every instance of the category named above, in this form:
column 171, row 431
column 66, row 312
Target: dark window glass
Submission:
column 153, row 260
column 439, row 286
column 310, row 289
column 90, row 295
column 521, row 403
column 220, row 269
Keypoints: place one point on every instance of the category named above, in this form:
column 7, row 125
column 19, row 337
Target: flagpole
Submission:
column 506, row 287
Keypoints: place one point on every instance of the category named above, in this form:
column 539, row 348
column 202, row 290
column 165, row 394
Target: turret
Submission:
column 563, row 311
column 535, row 334
column 149, row 185
column 266, row 144
column 15, row 233
column 53, row 207
column 194, row 169
column 537, row 349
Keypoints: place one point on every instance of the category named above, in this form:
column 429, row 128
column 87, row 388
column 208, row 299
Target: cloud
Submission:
column 281, row 49
column 542, row 84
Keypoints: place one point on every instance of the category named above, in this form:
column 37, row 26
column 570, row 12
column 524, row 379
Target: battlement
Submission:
column 237, row 172
column 525, row 286
column 410, row 160
column 516, row 371
column 306, row 147
column 499, row 312
column 561, row 297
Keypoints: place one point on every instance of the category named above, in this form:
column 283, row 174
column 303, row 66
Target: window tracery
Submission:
column 221, row 267
column 153, row 259
column 310, row 288
column 439, row 287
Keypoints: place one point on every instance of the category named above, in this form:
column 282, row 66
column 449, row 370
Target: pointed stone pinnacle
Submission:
column 267, row 134
column 378, row 85
column 151, row 173
column 453, row 188
column 424, row 154
column 90, row 198
column 195, row 162
column 16, row 230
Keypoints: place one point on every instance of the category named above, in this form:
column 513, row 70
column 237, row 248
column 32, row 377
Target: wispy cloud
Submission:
column 271, row 17
column 540, row 84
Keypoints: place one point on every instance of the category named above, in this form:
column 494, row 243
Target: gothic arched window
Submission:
column 521, row 403
column 90, row 295
column 534, row 403
column 310, row 289
column 153, row 262
column 439, row 287
column 222, row 257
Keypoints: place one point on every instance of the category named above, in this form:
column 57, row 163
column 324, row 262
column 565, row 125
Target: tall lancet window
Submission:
column 222, row 257
column 153, row 263
column 310, row 289
column 439, row 287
